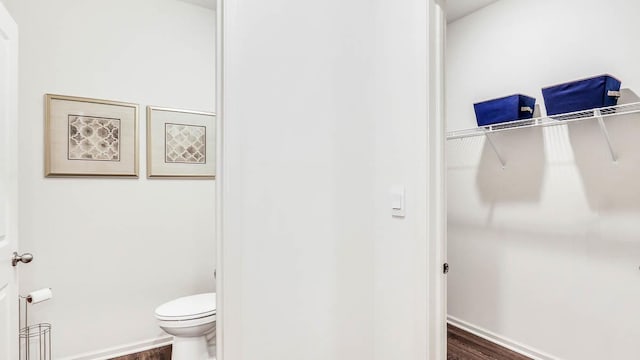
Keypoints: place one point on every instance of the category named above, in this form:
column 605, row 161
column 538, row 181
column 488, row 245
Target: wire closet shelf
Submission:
column 544, row 121
column 598, row 115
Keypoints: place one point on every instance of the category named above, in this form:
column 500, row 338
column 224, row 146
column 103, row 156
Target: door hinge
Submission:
column 445, row 268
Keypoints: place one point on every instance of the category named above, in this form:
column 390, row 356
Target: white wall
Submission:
column 8, row 4
column 112, row 249
column 546, row 251
column 325, row 108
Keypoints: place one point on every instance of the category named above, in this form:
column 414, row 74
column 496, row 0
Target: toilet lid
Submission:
column 188, row 307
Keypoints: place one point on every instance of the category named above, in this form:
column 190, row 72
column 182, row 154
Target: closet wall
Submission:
column 545, row 252
column 324, row 112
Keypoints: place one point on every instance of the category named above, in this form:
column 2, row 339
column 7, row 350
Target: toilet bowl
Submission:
column 191, row 320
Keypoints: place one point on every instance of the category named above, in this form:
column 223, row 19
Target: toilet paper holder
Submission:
column 35, row 339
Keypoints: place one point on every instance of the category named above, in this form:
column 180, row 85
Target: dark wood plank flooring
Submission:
column 163, row 353
column 462, row 345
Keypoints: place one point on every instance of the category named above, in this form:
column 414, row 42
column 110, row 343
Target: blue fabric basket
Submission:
column 510, row 108
column 592, row 93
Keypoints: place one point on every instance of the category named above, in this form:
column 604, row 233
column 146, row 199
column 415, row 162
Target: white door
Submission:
column 8, row 185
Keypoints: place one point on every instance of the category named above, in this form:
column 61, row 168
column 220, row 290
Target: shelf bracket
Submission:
column 605, row 133
column 495, row 150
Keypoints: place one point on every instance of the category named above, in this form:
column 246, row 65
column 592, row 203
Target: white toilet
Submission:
column 192, row 322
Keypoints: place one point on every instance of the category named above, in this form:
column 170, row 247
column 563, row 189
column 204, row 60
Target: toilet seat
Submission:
column 188, row 308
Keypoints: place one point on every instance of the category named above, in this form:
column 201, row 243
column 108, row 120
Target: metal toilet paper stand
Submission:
column 35, row 339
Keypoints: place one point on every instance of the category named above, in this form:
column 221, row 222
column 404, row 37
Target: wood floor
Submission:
column 163, row 353
column 465, row 346
column 461, row 346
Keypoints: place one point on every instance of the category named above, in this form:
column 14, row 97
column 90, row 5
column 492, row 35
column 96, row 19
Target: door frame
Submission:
column 10, row 34
column 436, row 193
column 220, row 178
column 436, row 174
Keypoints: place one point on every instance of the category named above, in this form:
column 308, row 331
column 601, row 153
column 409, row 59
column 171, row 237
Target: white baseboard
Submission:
column 123, row 350
column 501, row 340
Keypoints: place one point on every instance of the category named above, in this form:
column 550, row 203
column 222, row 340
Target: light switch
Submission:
column 397, row 201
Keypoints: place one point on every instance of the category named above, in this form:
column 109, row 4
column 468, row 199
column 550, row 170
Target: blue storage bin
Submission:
column 586, row 94
column 510, row 108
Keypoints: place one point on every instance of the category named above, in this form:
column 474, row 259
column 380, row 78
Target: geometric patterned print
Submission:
column 185, row 144
column 94, row 138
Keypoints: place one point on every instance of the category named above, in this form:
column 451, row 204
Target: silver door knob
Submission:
column 24, row 258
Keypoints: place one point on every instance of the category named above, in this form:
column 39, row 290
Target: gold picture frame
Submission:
column 181, row 144
column 87, row 137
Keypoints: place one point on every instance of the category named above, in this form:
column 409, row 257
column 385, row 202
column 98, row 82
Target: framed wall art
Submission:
column 180, row 143
column 90, row 137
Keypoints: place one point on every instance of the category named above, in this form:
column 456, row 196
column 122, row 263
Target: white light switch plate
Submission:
column 397, row 201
